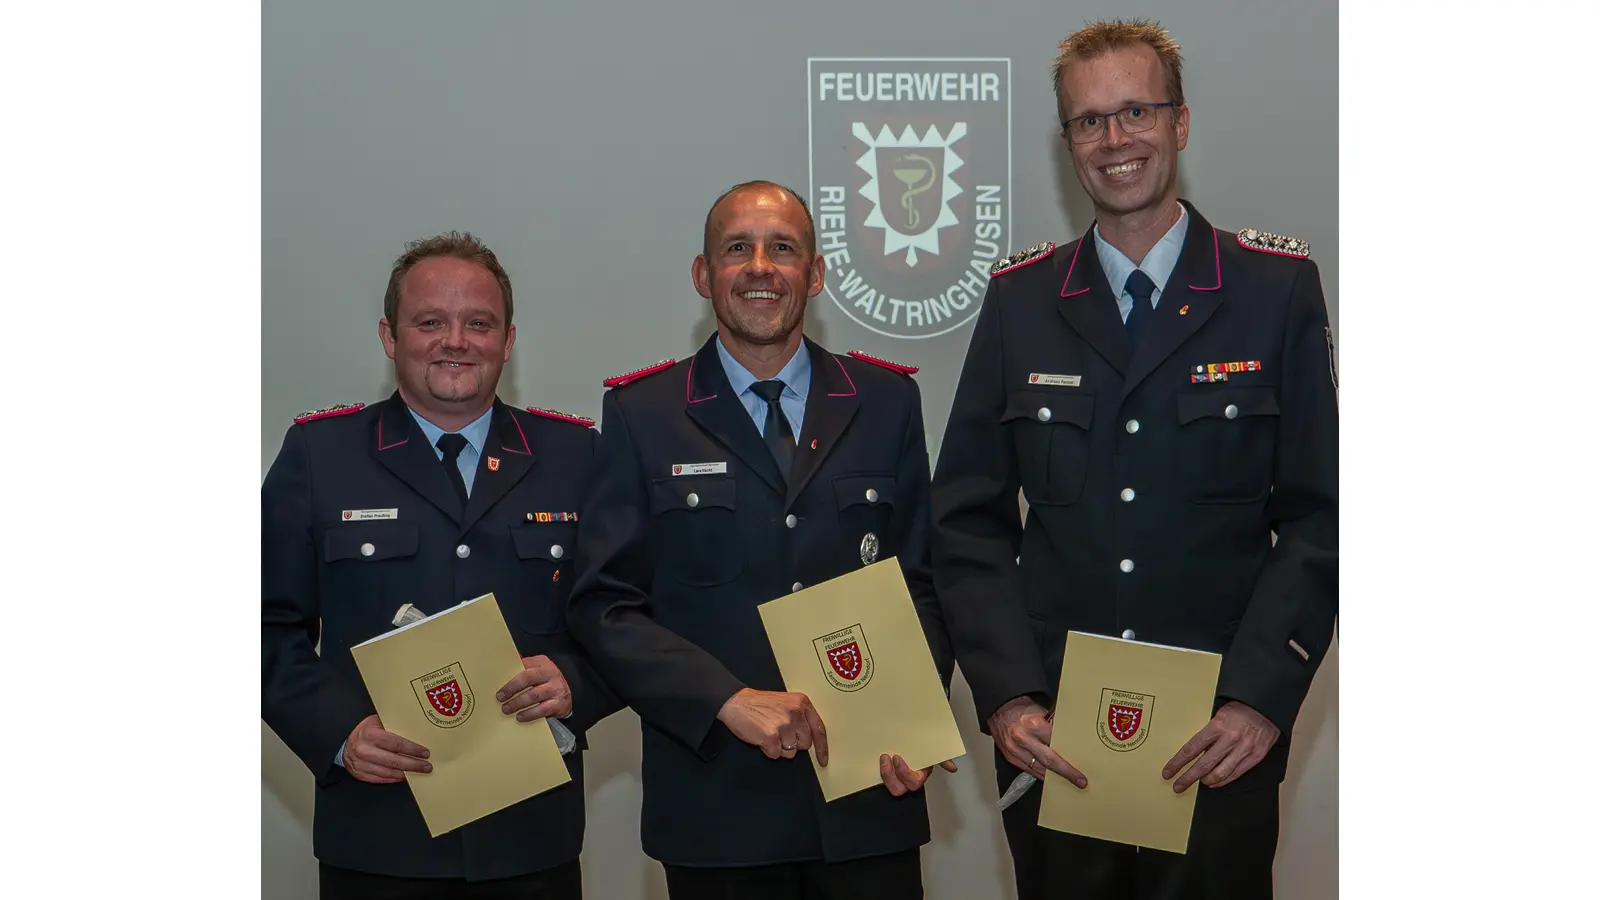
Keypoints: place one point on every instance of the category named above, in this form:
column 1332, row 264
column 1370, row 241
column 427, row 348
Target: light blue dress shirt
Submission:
column 476, row 433
column 1158, row 263
column 796, row 378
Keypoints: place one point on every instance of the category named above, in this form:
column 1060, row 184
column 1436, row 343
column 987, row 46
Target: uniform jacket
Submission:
column 673, row 566
column 341, row 581
column 1152, row 489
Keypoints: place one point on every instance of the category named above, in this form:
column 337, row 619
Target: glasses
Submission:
column 1131, row 120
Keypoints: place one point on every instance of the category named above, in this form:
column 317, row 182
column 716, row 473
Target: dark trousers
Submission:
column 564, row 882
column 1232, row 842
column 896, row 876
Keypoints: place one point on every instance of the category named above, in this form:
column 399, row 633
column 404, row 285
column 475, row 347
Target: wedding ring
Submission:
column 790, row 746
column 1033, row 762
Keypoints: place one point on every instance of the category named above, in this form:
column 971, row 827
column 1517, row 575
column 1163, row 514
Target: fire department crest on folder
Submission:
column 445, row 696
column 845, row 659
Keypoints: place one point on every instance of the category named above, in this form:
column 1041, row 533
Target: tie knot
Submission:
column 1140, row 285
column 768, row 390
column 452, row 445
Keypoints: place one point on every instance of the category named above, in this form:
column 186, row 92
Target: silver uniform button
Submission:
column 872, row 495
column 1044, row 413
column 463, row 551
column 791, row 521
column 1127, row 495
column 556, row 551
column 693, row 500
column 1127, row 634
column 1132, row 426
column 368, row 549
column 1231, row 412
column 797, row 586
column 1127, row 565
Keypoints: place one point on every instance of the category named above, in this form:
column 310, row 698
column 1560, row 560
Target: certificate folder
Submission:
column 433, row 682
column 1123, row 709
column 855, row 647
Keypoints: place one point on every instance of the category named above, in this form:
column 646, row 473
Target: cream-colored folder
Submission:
column 855, row 647
column 433, row 682
column 1123, row 709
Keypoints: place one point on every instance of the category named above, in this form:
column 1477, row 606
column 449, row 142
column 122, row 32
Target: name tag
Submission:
column 716, row 468
column 1055, row 380
column 367, row 515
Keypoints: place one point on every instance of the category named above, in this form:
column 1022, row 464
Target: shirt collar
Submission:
column 476, row 432
column 1158, row 263
column 795, row 374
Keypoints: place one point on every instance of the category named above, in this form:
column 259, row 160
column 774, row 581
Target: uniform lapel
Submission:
column 508, row 443
column 1090, row 306
column 710, row 402
column 830, row 405
column 402, row 448
column 1193, row 292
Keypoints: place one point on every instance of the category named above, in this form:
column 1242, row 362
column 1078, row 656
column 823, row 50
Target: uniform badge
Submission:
column 552, row 517
column 636, row 374
column 707, row 468
column 445, row 696
column 494, row 463
column 846, row 660
column 561, row 416
column 1022, row 258
column 1217, row 372
column 1124, row 719
column 1267, row 242
column 340, row 409
column 1184, row 311
column 1333, row 368
column 869, row 549
column 1055, row 380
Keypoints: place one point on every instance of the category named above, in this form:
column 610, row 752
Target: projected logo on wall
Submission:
column 910, row 187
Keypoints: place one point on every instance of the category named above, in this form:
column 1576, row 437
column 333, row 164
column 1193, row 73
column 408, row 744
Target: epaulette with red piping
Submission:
column 1022, row 258
column 1267, row 242
column 328, row 412
column 562, row 416
column 636, row 374
column 891, row 366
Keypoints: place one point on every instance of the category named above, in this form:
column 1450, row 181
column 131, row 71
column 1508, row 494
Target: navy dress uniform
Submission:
column 689, row 527
column 359, row 517
column 1180, row 490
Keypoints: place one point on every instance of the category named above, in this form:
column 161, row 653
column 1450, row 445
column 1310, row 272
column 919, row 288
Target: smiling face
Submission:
column 449, row 339
column 1124, row 174
column 759, row 268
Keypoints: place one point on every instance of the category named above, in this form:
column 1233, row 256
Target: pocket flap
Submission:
column 1076, row 408
column 369, row 541
column 544, row 540
column 872, row 489
column 1251, row 401
column 691, row 494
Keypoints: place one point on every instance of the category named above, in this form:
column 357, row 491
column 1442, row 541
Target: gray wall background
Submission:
column 583, row 142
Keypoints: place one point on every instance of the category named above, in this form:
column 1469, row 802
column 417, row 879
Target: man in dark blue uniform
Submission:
column 1163, row 394
column 439, row 494
column 761, row 465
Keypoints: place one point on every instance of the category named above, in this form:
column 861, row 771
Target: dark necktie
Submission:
column 1141, row 287
column 776, row 431
column 452, row 445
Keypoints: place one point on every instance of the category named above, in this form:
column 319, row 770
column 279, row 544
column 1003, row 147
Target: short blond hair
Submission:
column 1098, row 38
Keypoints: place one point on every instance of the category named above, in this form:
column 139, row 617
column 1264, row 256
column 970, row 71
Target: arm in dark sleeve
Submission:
column 592, row 698
column 1297, row 596
column 670, row 682
column 303, row 700
column 977, row 531
column 911, row 520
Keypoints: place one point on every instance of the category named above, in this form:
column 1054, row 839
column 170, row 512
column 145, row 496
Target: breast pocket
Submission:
column 1226, row 441
column 369, row 569
column 1051, row 436
column 866, row 517
column 544, row 572
column 695, row 526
